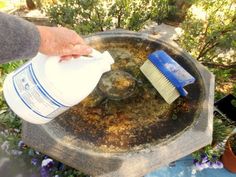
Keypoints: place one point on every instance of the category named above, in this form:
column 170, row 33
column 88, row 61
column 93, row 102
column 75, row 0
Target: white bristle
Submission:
column 160, row 82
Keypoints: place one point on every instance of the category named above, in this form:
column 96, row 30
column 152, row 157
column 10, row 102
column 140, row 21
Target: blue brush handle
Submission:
column 175, row 73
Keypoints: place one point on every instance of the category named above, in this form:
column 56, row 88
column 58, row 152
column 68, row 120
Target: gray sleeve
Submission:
column 19, row 39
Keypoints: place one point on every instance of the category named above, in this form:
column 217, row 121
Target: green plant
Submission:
column 210, row 31
column 225, row 81
column 207, row 157
column 221, row 74
column 7, row 118
column 99, row 15
column 232, row 141
column 220, row 130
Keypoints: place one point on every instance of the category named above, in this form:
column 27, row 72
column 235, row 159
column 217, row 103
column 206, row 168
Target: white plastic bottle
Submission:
column 45, row 87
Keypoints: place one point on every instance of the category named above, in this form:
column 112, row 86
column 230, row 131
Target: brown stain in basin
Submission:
column 144, row 117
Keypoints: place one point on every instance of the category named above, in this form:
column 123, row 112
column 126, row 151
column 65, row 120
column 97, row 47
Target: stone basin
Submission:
column 124, row 127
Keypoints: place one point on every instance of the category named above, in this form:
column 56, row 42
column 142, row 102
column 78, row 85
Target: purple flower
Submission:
column 217, row 164
column 47, row 163
column 205, row 165
column 220, row 164
column 21, row 144
column 205, row 159
column 34, row 161
column 199, row 166
column 44, row 172
column 210, row 164
column 195, row 161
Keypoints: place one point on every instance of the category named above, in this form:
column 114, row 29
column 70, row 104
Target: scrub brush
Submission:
column 166, row 75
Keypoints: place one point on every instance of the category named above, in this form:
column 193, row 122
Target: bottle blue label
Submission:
column 34, row 95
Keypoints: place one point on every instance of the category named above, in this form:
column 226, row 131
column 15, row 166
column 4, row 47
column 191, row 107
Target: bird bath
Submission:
column 124, row 127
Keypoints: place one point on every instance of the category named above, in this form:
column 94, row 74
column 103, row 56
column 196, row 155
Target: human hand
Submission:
column 62, row 42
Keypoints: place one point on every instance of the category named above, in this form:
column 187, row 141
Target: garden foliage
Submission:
column 210, row 31
column 99, row 15
column 7, row 117
column 232, row 141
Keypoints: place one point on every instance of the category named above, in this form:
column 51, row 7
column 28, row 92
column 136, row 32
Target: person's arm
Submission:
column 20, row 39
column 62, row 42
